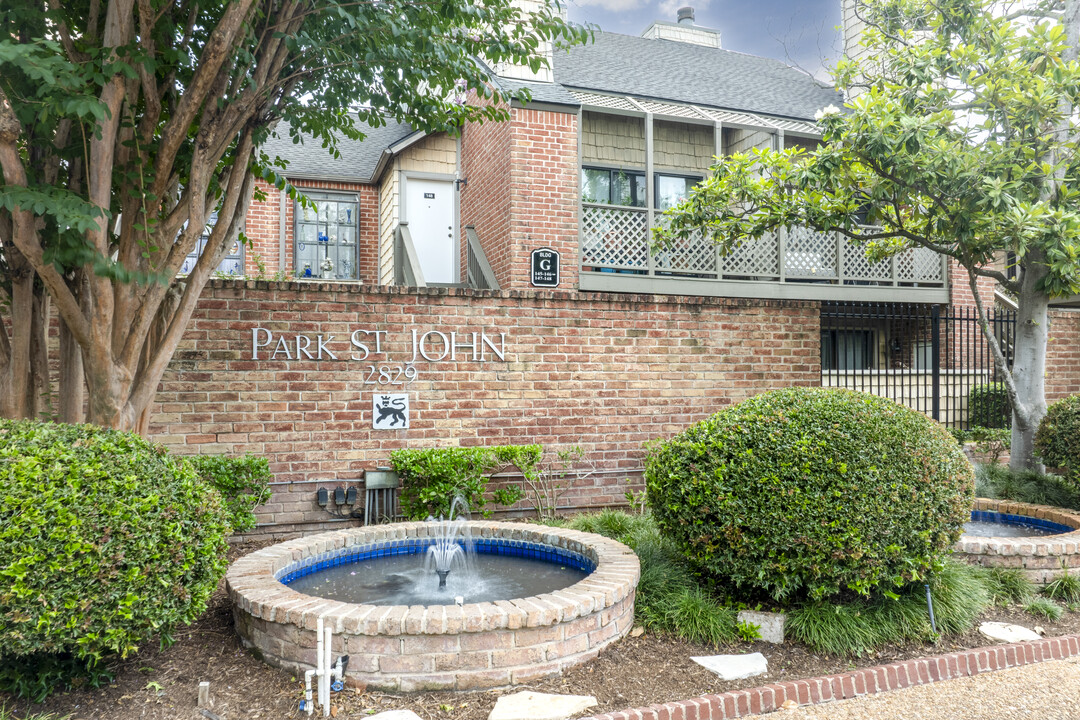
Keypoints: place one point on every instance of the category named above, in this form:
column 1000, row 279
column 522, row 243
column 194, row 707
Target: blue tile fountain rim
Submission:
column 1020, row 520
column 419, row 546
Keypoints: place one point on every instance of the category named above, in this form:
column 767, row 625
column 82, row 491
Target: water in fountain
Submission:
column 447, row 554
column 450, row 568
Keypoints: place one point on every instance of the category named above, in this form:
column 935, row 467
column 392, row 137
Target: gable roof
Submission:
column 359, row 161
column 688, row 73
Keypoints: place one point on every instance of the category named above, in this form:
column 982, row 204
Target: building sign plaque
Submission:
column 545, row 268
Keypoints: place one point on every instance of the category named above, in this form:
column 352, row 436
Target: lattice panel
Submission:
column 614, row 237
column 684, row 111
column 604, row 101
column 857, row 267
column 919, row 265
column 810, row 254
column 694, row 255
column 799, row 126
column 754, row 258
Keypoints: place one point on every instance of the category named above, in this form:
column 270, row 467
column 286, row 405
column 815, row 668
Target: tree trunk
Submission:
column 40, row 386
column 15, row 401
column 1029, row 365
column 70, row 385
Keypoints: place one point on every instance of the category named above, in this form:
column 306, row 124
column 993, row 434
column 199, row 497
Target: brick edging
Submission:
column 867, row 681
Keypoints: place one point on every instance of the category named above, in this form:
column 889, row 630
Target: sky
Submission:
column 800, row 32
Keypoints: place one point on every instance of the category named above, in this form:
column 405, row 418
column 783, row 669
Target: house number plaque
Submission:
column 545, row 268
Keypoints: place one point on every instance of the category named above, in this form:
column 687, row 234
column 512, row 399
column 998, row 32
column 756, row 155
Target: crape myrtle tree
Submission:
column 124, row 124
column 960, row 136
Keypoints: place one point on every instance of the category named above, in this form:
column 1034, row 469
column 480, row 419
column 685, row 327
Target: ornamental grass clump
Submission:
column 807, row 493
column 105, row 542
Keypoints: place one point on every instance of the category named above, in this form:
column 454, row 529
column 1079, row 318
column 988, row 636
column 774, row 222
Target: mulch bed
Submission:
column 162, row 683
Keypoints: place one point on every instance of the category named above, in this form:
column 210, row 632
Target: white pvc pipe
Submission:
column 308, row 704
column 327, row 647
column 320, row 658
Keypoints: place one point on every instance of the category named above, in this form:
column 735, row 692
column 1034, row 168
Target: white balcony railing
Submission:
column 615, row 242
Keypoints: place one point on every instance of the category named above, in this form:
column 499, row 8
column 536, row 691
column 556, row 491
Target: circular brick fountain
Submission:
column 408, row 648
column 1041, row 558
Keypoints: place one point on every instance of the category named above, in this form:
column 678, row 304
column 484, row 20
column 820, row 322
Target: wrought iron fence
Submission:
column 927, row 357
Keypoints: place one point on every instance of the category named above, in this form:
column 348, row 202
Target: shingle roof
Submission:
column 310, row 160
column 682, row 72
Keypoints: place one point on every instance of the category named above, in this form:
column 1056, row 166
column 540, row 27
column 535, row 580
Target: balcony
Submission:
column 796, row 264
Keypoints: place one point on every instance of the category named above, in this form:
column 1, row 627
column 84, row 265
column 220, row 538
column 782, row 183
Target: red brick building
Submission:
column 421, row 283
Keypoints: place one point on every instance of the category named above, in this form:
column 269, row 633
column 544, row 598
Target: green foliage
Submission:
column 433, row 477
column 992, row 442
column 1057, row 440
column 989, row 406
column 1008, row 586
column 1027, row 486
column 669, row 597
column 860, row 625
column 1044, row 608
column 808, row 492
column 1064, row 587
column 243, row 483
column 105, row 541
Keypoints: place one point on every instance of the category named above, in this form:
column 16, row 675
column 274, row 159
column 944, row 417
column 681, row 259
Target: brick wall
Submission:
column 1063, row 355
column 485, row 200
column 605, row 372
column 544, row 192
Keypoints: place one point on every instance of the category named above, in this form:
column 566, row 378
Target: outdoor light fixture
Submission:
column 339, row 496
column 323, row 497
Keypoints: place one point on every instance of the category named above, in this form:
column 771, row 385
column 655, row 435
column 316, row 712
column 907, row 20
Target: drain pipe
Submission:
column 307, row 705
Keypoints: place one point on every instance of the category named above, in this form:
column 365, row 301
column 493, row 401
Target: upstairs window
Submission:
column 325, row 237
column 673, row 189
column 604, row 186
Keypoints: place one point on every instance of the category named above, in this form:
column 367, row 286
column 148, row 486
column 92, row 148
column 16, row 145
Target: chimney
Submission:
column 684, row 30
column 686, row 16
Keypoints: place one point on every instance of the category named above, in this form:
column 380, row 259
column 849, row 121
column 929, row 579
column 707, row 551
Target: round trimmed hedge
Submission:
column 809, row 492
column 105, row 541
column 1057, row 441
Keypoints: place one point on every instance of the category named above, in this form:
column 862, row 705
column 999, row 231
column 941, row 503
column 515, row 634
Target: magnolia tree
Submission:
column 961, row 137
column 125, row 123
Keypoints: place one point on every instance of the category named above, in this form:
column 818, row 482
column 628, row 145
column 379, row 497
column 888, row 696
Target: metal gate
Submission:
column 927, row 357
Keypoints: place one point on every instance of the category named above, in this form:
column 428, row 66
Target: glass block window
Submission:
column 325, row 239
column 231, row 264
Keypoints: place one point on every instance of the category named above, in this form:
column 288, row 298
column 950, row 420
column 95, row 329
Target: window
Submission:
column 231, row 264
column 847, row 349
column 325, row 237
column 613, row 187
column 673, row 189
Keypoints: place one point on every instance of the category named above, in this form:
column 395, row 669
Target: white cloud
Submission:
column 611, row 5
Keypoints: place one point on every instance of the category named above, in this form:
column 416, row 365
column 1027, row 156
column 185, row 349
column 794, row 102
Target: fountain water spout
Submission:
column 449, row 549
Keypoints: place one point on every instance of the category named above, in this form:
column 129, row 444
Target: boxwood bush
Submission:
column 244, row 484
column 1057, row 441
column 105, row 541
column 989, row 406
column 809, row 492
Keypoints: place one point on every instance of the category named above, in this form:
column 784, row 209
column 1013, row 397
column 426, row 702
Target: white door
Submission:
column 429, row 208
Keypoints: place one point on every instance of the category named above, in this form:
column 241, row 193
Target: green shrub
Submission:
column 1057, row 441
column 808, row 492
column 1027, row 486
column 669, row 597
column 243, row 483
column 859, row 625
column 433, row 477
column 105, row 541
column 989, row 406
column 1008, row 586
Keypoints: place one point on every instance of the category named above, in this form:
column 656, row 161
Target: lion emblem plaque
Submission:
column 390, row 411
